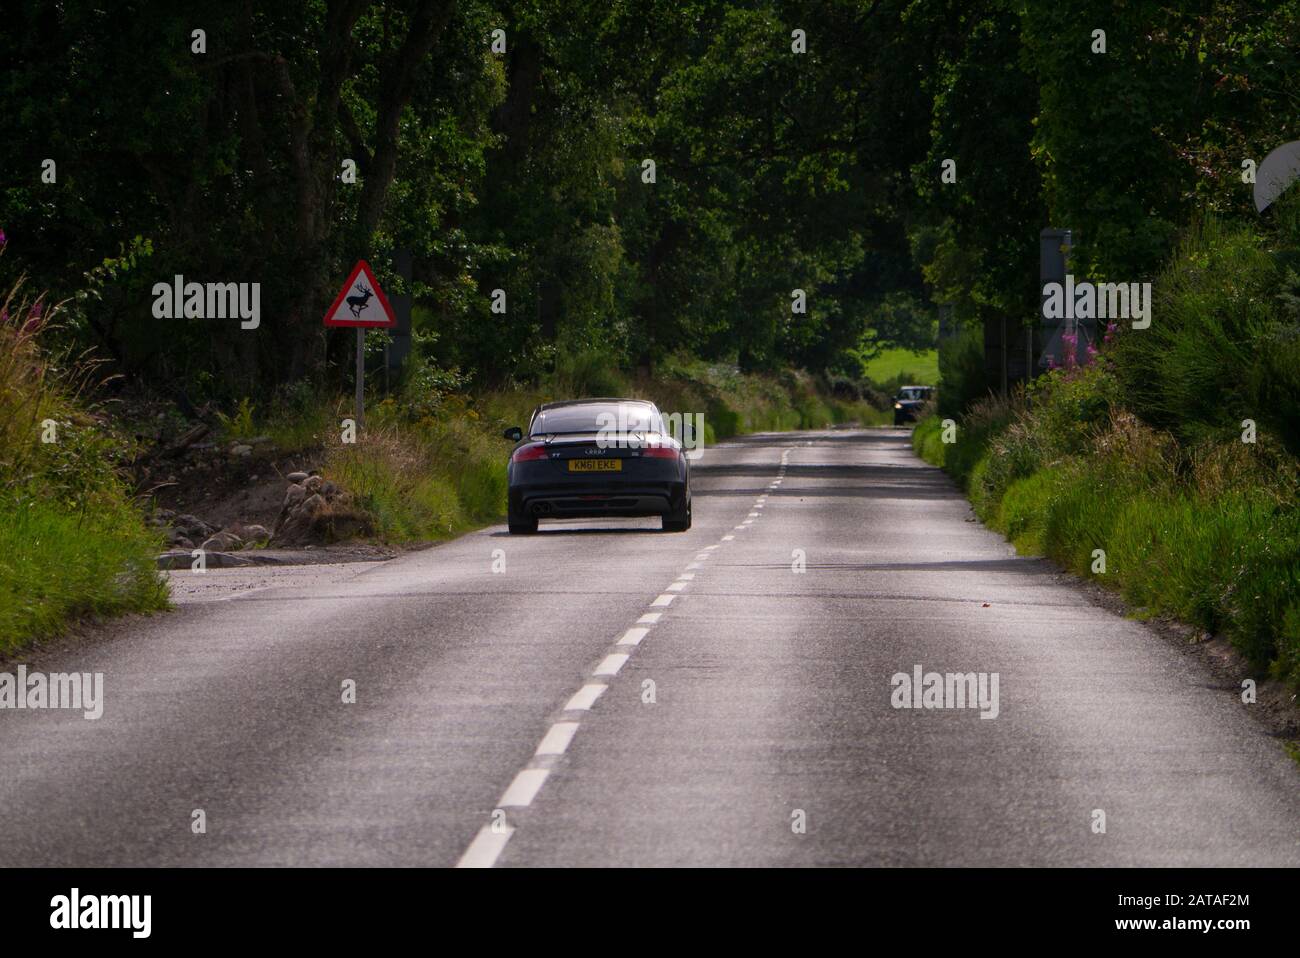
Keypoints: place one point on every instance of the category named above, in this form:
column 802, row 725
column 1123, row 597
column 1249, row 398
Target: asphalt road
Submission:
column 497, row 722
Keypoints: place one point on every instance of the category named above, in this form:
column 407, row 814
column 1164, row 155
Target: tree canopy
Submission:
column 638, row 177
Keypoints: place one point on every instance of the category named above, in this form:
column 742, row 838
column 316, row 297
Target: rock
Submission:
column 259, row 440
column 257, row 534
column 293, row 497
column 241, row 451
column 192, row 527
column 222, row 542
column 296, row 477
column 328, row 489
column 313, row 483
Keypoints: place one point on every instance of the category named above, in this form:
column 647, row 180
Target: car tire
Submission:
column 678, row 520
column 520, row 525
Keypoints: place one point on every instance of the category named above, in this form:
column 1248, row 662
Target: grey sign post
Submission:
column 1053, row 265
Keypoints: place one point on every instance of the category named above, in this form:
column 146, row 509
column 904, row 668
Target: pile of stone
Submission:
column 315, row 510
column 188, row 532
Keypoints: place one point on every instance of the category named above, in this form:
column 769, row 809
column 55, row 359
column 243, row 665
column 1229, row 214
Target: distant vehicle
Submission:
column 908, row 402
column 589, row 458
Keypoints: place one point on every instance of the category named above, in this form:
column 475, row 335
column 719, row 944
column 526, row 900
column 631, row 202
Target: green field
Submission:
column 922, row 368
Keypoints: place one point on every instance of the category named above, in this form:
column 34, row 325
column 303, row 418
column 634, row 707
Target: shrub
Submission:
column 1207, row 533
column 1224, row 341
column 72, row 543
column 963, row 380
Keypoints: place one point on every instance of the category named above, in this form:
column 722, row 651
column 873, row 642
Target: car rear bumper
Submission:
column 573, row 500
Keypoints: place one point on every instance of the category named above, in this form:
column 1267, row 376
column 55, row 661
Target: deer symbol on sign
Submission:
column 357, row 303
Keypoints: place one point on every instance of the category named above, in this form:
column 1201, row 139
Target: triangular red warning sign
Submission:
column 361, row 302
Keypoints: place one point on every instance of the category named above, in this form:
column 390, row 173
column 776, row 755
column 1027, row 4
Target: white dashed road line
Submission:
column 524, row 788
column 492, row 838
column 557, row 738
column 611, row 664
column 585, row 698
column 633, row 636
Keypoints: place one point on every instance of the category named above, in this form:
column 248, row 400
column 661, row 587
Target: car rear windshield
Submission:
column 914, row 392
column 611, row 417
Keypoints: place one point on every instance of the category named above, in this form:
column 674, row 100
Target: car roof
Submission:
column 591, row 402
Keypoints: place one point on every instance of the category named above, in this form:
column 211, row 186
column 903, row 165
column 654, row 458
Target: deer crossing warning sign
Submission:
column 361, row 303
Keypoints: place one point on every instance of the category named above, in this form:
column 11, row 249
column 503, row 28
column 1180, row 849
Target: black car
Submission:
column 908, row 403
column 589, row 458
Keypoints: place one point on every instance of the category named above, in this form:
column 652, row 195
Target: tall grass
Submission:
column 72, row 543
column 1209, row 534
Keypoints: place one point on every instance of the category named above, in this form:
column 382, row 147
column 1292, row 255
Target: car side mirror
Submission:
column 514, row 434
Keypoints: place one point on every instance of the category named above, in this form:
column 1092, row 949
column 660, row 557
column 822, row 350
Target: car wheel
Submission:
column 520, row 525
column 678, row 521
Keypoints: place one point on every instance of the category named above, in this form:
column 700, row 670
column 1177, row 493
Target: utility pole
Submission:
column 361, row 377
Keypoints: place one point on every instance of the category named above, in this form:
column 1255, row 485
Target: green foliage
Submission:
column 59, row 564
column 72, row 544
column 963, row 379
column 1209, row 534
column 1224, row 342
column 239, row 424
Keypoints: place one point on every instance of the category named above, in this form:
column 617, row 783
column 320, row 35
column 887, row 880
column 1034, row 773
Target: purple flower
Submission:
column 3, row 239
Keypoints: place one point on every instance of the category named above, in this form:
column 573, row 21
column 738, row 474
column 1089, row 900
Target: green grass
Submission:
column 423, row 481
column 59, row 563
column 1208, row 536
column 898, row 364
column 72, row 544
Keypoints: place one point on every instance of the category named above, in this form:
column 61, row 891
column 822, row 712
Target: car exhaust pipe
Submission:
column 541, row 508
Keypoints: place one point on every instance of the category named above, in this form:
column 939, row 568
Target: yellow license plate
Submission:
column 595, row 465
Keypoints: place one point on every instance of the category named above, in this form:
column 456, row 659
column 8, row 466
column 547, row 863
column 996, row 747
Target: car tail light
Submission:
column 661, row 452
column 536, row 450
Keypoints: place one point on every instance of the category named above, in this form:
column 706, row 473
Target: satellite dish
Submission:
column 1279, row 170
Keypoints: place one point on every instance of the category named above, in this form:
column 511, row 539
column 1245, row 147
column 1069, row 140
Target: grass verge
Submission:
column 1208, row 534
column 72, row 543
